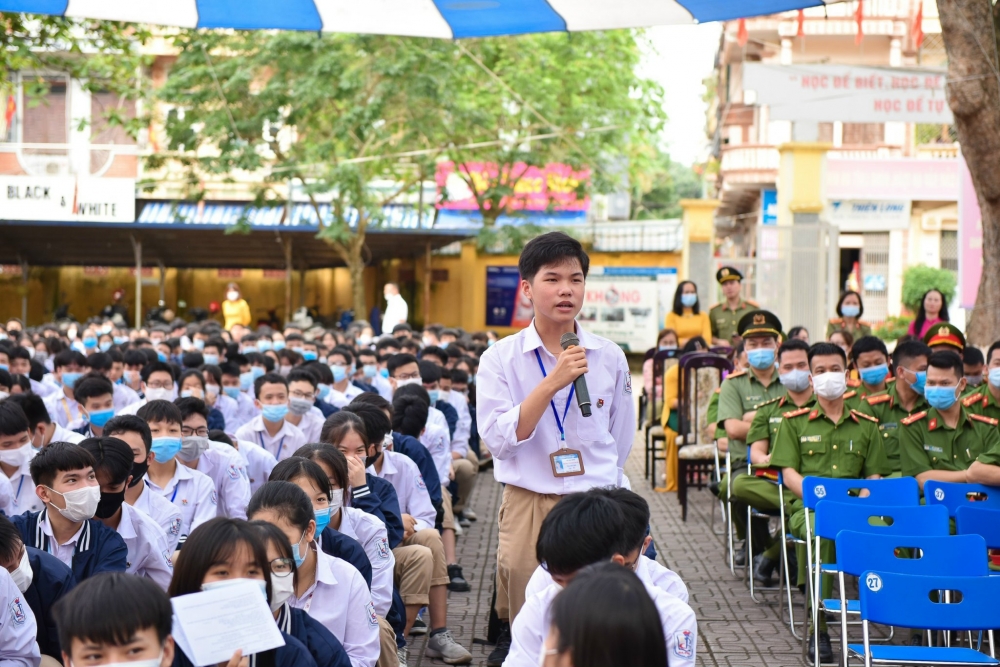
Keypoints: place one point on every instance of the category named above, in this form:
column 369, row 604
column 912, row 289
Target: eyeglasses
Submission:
column 282, row 567
column 301, row 394
column 187, row 432
column 411, row 376
column 160, row 385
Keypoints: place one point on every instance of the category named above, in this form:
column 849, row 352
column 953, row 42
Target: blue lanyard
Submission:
column 175, row 492
column 260, row 439
column 17, row 498
column 569, row 399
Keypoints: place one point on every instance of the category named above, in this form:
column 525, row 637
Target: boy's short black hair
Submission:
column 13, row 421
column 551, row 248
column 58, row 457
column 385, row 343
column 322, row 372
column 68, row 357
column 345, row 352
column 370, row 398
column 459, row 376
column 908, row 351
column 792, row 344
column 218, row 435
column 230, row 368
column 34, row 409
column 825, row 349
column 303, row 375
column 110, row 608
column 377, row 425
column 947, row 360
column 971, row 356
column 581, row 529
column 636, row 511
column 191, row 405
column 268, row 378
column 134, row 358
column 130, row 424
column 112, row 455
column 429, row 372
column 92, row 385
column 397, row 360
column 99, row 361
column 193, row 359
column 160, row 411
column 436, row 352
column 868, row 344
column 156, row 367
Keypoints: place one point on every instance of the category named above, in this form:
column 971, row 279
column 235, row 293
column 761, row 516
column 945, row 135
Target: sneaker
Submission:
column 499, row 653
column 825, row 648
column 402, row 654
column 458, row 584
column 419, row 627
column 463, row 520
column 458, row 529
column 469, row 514
column 442, row 645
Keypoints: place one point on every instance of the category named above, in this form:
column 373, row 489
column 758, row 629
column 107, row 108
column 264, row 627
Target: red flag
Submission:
column 742, row 36
column 918, row 25
column 802, row 22
column 11, row 108
column 859, row 19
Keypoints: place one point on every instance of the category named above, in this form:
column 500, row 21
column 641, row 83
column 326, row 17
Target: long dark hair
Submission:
column 632, row 636
column 213, row 542
column 918, row 323
column 678, row 306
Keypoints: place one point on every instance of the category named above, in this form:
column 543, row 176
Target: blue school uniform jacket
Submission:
column 378, row 498
column 348, row 549
column 322, row 644
column 292, row 654
column 409, row 446
column 98, row 549
column 51, row 579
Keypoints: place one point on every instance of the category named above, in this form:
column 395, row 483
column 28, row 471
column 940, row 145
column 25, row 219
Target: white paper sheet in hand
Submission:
column 209, row 626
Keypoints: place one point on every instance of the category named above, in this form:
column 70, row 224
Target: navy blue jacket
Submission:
column 292, row 654
column 348, row 549
column 364, row 386
column 51, row 579
column 216, row 420
column 450, row 416
column 378, row 498
column 322, row 644
column 410, row 446
column 98, row 549
column 326, row 408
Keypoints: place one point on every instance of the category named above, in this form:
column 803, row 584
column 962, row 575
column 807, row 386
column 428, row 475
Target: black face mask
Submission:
column 370, row 460
column 109, row 504
column 138, row 471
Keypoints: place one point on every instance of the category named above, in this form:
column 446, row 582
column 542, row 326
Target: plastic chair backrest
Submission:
column 905, row 600
column 979, row 521
column 955, row 494
column 660, row 358
column 688, row 406
column 649, row 353
column 833, row 517
column 945, row 555
column 897, row 491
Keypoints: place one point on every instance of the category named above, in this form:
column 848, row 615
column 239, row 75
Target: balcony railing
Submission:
column 45, row 159
column 749, row 163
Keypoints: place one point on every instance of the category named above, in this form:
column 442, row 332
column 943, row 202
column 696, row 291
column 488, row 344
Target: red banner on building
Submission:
column 552, row 187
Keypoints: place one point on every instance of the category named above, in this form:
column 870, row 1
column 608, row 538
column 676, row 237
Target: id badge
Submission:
column 567, row 463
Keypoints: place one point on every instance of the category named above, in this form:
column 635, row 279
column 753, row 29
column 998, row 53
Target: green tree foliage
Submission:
column 919, row 278
column 657, row 191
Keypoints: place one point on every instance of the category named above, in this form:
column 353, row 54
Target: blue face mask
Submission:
column 310, row 355
column 99, row 418
column 444, row 345
column 761, row 358
column 263, row 345
column 490, row 342
column 322, row 520
column 211, row 359
column 274, row 413
column 688, row 300
column 4, row 367
column 874, row 375
column 249, row 348
column 246, row 381
column 339, row 373
column 918, row 384
column 850, row 311
column 384, row 372
column 299, row 558
column 371, row 370
column 667, row 347
column 994, row 377
column 941, row 398
column 69, row 379
column 165, row 449
column 231, row 392
column 199, row 344
column 162, row 357
column 121, row 340
column 278, row 345
column 89, row 342
column 257, row 371
column 324, row 391
column 105, row 346
column 434, row 394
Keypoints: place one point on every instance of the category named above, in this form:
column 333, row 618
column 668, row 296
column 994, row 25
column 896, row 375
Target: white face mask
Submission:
column 3, row 395
column 152, row 662
column 830, row 386
column 17, row 457
column 281, row 589
column 232, row 295
column 222, row 583
column 80, row 503
column 403, row 383
column 159, row 394
column 336, row 501
column 23, row 575
column 443, row 394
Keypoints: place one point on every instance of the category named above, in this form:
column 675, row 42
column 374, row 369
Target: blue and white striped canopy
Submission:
column 418, row 18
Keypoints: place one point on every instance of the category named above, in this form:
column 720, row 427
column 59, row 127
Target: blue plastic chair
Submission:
column 906, row 600
column 979, row 521
column 954, row 495
column 939, row 555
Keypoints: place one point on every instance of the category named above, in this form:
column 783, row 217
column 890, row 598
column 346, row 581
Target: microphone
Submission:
column 582, row 395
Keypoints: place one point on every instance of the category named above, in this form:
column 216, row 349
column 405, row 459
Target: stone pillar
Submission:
column 696, row 255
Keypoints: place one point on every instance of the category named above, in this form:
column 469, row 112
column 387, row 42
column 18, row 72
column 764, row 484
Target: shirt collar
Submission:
column 324, row 568
column 126, row 527
column 43, row 524
column 532, row 341
column 388, row 466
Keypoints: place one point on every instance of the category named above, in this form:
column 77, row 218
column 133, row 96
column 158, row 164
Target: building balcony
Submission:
column 52, row 159
column 748, row 164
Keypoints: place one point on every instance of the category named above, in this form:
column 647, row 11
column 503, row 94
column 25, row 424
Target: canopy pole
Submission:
column 302, row 286
column 137, row 249
column 24, row 292
column 287, row 243
column 163, row 284
column 428, row 273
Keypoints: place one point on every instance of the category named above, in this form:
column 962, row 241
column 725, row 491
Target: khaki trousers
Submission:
column 519, row 520
column 387, row 644
column 420, row 564
column 465, row 478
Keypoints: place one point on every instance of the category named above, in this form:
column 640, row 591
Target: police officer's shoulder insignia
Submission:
column 850, row 394
column 383, row 548
column 795, row 413
column 372, row 616
column 984, row 419
column 854, row 384
column 836, row 320
column 736, row 374
column 912, row 419
column 972, row 399
column 234, row 474
column 860, row 415
column 17, row 615
column 932, row 424
column 780, row 400
column 175, row 526
column 877, row 399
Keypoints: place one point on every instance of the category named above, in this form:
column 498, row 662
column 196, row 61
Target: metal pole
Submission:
column 163, row 283
column 428, row 273
column 24, row 292
column 302, row 286
column 288, row 278
column 137, row 249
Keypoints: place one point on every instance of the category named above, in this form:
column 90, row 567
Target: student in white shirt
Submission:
column 327, row 588
column 95, row 395
column 191, row 491
column 69, row 366
column 104, row 363
column 257, row 461
column 341, row 362
column 148, row 551
column 223, row 464
column 302, row 392
column 43, row 431
column 158, row 384
column 271, row 430
column 16, row 453
column 18, row 631
column 232, row 383
column 215, row 398
column 370, row 373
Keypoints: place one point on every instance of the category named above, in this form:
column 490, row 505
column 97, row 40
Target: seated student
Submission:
column 984, row 398
column 43, row 430
column 465, row 463
column 271, row 430
column 236, row 384
column 68, row 366
column 223, row 464
column 227, row 407
column 6, row 382
column 583, row 529
column 214, row 351
column 302, row 392
column 157, row 385
column 257, row 461
column 16, row 453
column 324, row 380
column 192, row 492
column 580, row 625
column 370, row 373
column 133, row 361
column 96, row 395
column 404, row 370
column 41, row 577
column 330, row 590
column 430, row 377
column 134, row 432
column 103, row 363
column 341, row 362
column 65, row 482
column 148, row 550
column 431, row 435
column 322, row 645
column 18, row 646
column 222, row 552
column 193, row 385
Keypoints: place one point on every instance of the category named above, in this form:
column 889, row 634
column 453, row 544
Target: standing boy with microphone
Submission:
column 532, row 395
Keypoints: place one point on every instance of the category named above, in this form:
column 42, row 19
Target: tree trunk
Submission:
column 356, row 269
column 974, row 97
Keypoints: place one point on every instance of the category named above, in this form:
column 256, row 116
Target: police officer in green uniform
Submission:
column 742, row 393
column 942, row 441
column 945, row 336
column 725, row 317
column 901, row 398
column 871, row 360
column 985, row 399
column 759, row 489
column 825, row 440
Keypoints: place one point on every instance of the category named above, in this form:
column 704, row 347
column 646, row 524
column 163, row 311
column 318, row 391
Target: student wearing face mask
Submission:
column 192, row 385
column 65, row 482
column 984, row 398
column 742, row 393
column 686, row 317
column 158, row 384
column 42, row 579
column 370, row 373
column 104, row 363
column 231, row 382
column 223, row 552
column 827, row 439
column 16, row 452
column 342, row 391
column 270, row 429
column 95, row 394
column 943, row 441
column 302, row 411
column 148, row 551
column 235, row 310
column 404, row 369
column 69, row 367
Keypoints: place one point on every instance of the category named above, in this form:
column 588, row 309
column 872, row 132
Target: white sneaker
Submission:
column 402, row 654
column 443, row 646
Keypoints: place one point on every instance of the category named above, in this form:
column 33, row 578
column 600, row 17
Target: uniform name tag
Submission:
column 776, row 420
column 932, row 448
column 567, row 463
column 811, row 438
